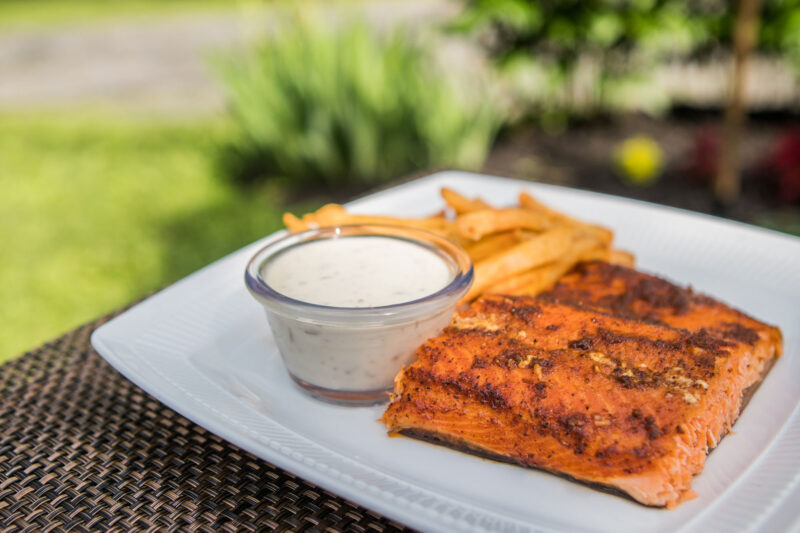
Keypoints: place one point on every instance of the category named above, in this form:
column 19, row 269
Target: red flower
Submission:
column 784, row 161
column 703, row 160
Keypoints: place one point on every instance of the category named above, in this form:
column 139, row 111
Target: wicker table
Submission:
column 83, row 448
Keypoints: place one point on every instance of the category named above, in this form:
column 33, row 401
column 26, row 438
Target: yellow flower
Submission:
column 639, row 160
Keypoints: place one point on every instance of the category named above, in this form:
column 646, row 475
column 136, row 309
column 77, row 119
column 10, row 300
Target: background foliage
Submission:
column 340, row 106
column 558, row 44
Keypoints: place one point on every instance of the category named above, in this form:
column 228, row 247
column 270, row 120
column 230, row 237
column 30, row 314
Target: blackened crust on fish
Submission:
column 644, row 297
column 653, row 292
column 740, row 333
column 574, row 300
column 470, row 449
column 714, row 346
column 465, row 383
column 584, row 343
column 522, row 308
column 600, row 396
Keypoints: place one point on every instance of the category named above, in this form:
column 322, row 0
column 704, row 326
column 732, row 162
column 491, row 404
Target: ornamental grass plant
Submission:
column 341, row 106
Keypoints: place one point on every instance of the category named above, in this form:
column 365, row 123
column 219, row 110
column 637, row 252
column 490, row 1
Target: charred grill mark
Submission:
column 737, row 332
column 427, row 351
column 587, row 306
column 708, row 345
column 648, row 424
column 457, row 335
column 524, row 358
column 704, row 340
column 510, row 359
column 652, row 429
column 479, row 363
column 608, row 451
column 489, row 395
column 585, row 344
column 566, row 293
column 611, row 338
column 635, row 378
column 527, row 313
column 632, row 294
column 499, row 304
column 523, row 308
column 544, row 364
column 465, row 383
column 539, row 388
column 654, row 294
column 575, row 431
column 641, row 379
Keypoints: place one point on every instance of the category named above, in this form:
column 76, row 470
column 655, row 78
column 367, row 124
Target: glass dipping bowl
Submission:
column 351, row 355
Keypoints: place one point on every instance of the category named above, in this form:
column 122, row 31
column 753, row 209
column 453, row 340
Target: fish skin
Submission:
column 613, row 378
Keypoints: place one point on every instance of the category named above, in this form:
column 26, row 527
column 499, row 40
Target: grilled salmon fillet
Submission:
column 613, row 378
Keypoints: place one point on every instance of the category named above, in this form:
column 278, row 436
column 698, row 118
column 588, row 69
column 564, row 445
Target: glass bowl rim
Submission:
column 450, row 251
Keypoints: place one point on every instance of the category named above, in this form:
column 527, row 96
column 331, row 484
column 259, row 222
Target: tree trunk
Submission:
column 728, row 182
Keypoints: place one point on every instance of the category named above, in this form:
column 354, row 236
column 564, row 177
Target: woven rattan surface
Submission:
column 83, row 448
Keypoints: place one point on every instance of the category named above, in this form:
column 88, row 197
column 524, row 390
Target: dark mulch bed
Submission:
column 582, row 155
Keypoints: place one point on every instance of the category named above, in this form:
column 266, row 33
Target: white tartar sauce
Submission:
column 357, row 271
column 360, row 271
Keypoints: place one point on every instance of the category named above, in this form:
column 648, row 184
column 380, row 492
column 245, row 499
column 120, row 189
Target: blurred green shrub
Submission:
column 321, row 105
column 779, row 32
column 552, row 47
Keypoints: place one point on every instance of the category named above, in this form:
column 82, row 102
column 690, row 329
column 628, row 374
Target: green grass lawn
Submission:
column 96, row 211
column 37, row 13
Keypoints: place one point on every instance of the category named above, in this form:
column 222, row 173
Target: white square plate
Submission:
column 203, row 347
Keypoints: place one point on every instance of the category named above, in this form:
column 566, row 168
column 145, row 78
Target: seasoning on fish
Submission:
column 612, row 378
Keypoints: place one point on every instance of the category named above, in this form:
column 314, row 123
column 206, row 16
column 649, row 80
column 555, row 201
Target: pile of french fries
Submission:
column 515, row 250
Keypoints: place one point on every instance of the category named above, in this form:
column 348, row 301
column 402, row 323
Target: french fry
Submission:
column 491, row 245
column 526, row 201
column 539, row 250
column 327, row 215
column 522, row 250
column 596, row 254
column 609, row 255
column 548, row 277
column 545, row 278
column 477, row 224
column 515, row 284
column 294, row 224
column 336, row 215
column 461, row 204
column 599, row 233
column 582, row 248
column 621, row 257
